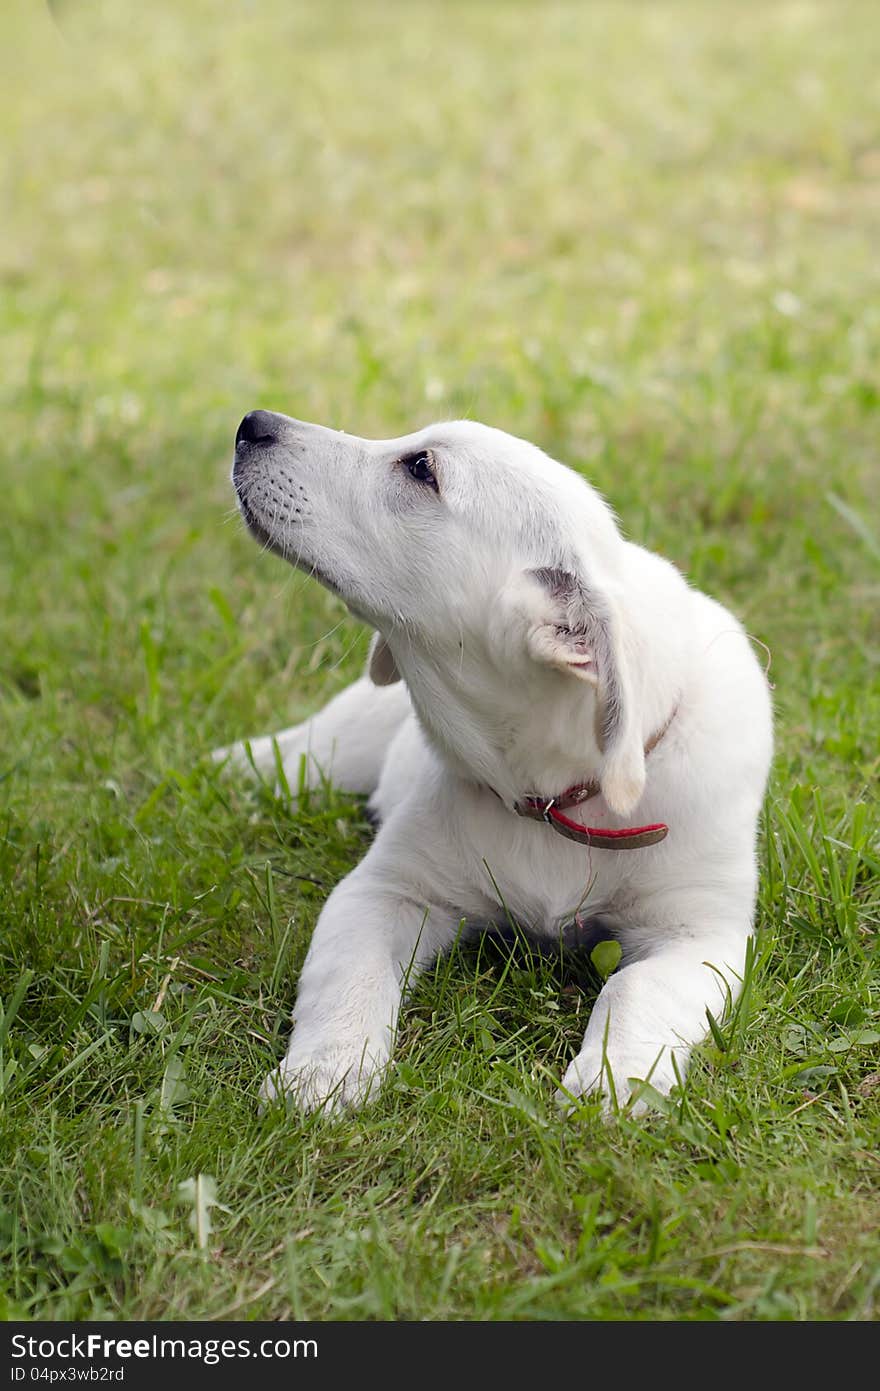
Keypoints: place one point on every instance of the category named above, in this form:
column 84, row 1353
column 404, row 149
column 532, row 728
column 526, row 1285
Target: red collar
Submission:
column 550, row 809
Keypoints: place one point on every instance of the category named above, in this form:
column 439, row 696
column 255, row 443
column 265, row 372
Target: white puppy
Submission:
column 552, row 719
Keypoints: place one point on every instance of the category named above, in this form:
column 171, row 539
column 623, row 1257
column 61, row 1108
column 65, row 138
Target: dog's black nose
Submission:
column 258, row 427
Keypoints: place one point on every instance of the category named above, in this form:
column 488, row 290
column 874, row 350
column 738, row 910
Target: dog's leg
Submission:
column 651, row 1012
column 370, row 940
column 345, row 743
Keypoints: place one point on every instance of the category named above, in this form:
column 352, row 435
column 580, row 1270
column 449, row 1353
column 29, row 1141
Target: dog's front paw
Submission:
column 233, row 757
column 330, row 1077
column 617, row 1077
column 264, row 757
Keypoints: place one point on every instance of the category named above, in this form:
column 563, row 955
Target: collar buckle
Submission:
column 536, row 808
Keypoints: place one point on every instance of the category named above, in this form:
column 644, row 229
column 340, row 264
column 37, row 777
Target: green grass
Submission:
column 644, row 236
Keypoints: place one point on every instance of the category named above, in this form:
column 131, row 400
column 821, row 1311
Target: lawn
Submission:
column 644, row 236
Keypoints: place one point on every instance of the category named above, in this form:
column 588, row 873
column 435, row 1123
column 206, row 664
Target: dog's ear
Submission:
column 580, row 632
column 566, row 631
column 381, row 667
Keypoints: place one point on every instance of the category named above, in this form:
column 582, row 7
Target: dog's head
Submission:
column 491, row 575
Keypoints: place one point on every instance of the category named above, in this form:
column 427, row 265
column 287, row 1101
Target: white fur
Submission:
column 537, row 649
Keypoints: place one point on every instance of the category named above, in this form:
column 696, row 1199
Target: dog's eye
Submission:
column 419, row 467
